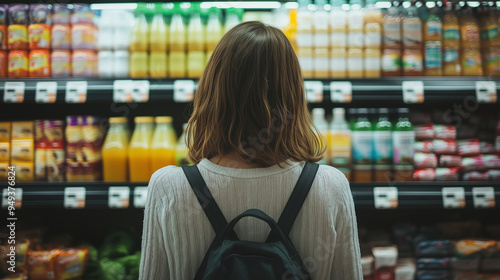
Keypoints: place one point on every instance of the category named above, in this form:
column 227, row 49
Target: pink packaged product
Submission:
column 82, row 14
column 450, row 161
column 447, row 174
column 422, row 160
column 445, row 147
column 445, row 132
column 60, row 14
column 494, row 174
column 476, row 176
column 428, row 174
column 469, row 147
column 424, row 131
column 473, row 163
column 83, row 37
column 84, row 64
column 424, row 147
column 60, row 63
column 486, row 147
column 61, row 37
column 491, row 161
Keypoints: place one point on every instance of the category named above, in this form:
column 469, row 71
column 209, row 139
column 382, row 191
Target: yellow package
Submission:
column 22, row 130
column 41, row 264
column 22, row 150
column 5, row 129
column 24, row 170
column 469, row 248
column 4, row 151
column 4, row 170
column 22, row 248
column 70, row 263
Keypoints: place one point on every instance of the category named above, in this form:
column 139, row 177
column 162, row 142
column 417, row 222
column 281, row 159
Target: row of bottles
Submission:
column 135, row 158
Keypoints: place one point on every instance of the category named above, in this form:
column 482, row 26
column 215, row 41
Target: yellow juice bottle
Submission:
column 196, row 44
column 470, row 45
column 163, row 144
column 177, row 45
column 114, row 151
column 291, row 29
column 158, row 64
column 139, row 64
column 139, row 151
column 159, row 33
column 214, row 29
column 140, row 30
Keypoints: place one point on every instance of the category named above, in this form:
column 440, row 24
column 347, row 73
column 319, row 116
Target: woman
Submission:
column 250, row 134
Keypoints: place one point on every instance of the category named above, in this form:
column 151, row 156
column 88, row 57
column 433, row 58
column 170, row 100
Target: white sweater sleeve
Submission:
column 347, row 259
column 153, row 256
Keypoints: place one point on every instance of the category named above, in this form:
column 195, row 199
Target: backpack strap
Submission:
column 207, row 201
column 297, row 198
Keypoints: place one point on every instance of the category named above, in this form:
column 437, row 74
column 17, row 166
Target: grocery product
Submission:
column 139, row 150
column 41, row 264
column 391, row 62
column 232, row 18
column 91, row 149
column 39, row 36
column 451, row 43
column 158, row 65
column 70, row 263
column 83, row 37
column 60, row 37
column 382, row 138
column 422, row 160
column 339, row 143
column 74, row 140
column 321, row 27
column 196, row 45
column 84, row 64
column 105, row 64
column 362, row 138
column 355, row 25
column 392, row 29
column 121, row 64
column 3, row 26
column 403, row 138
column 60, row 63
column 18, row 64
column 4, row 61
column 158, row 34
column 372, row 20
column 18, row 27
column 362, row 174
column 444, row 147
column 412, row 29
column 290, row 29
column 139, row 40
column 432, row 44
column 39, row 63
column 385, row 262
column 372, row 63
column 60, row 14
column 163, row 144
column 338, row 24
column 82, row 14
column 114, row 151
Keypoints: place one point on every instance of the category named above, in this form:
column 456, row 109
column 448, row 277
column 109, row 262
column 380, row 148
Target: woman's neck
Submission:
column 232, row 160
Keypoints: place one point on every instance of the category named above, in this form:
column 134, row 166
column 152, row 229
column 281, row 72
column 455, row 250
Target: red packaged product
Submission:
column 18, row 64
column 469, row 147
column 486, row 147
column 3, row 37
column 424, row 147
column 476, row 176
column 424, row 131
column 445, row 147
column 39, row 63
column 445, row 132
column 422, row 160
column 450, row 161
column 3, row 64
column 39, row 36
column 491, row 161
column 494, row 175
column 428, row 174
column 447, row 174
column 473, row 163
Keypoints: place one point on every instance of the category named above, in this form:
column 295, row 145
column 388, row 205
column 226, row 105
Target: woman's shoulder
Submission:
column 165, row 179
column 331, row 181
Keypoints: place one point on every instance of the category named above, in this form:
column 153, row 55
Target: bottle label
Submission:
column 304, row 40
column 412, row 34
column 372, row 63
column 321, row 40
column 321, row 64
column 362, row 147
column 355, row 39
column 306, row 63
column 391, row 62
column 472, row 59
column 470, row 33
column 451, row 33
column 403, row 142
column 450, row 55
column 433, row 55
column 413, row 62
column 338, row 39
column 382, row 147
column 338, row 64
column 492, row 32
column 355, row 64
column 434, row 28
column 392, row 33
column 340, row 147
column 373, row 35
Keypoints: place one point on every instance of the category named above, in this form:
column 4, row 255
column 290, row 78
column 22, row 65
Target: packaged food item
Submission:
column 83, row 37
column 24, row 170
column 3, row 14
column 40, row 152
column 385, row 262
column 450, row 161
column 4, row 169
column 60, row 14
column 494, row 175
column 5, row 130
column 4, row 151
column 18, row 64
column 22, row 247
column 434, row 249
column 105, row 66
column 39, row 14
column 445, row 147
column 40, row 63
column 433, row 263
column 18, row 27
column 491, row 161
column 424, row 131
column 486, row 147
column 445, row 132
column 473, row 163
column 469, row 147
column 23, row 130
column 93, row 138
column 428, row 174
column 391, row 63
column 41, row 264
column 61, row 37
column 433, row 275
column 70, row 263
column 405, row 269
column 74, row 142
column 4, row 61
column 18, row 14
column 3, row 36
column 22, row 150
column 475, row 176
column 55, row 154
column 84, row 64
column 422, row 160
column 39, row 36
column 60, row 63
column 424, row 147
column 82, row 14
column 447, row 174
column 367, row 266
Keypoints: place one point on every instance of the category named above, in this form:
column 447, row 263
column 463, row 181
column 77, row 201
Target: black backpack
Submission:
column 231, row 258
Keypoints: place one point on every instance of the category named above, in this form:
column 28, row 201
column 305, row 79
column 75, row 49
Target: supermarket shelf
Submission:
column 436, row 89
column 410, row 195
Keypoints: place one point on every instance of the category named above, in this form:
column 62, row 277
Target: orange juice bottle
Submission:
column 471, row 55
column 139, row 150
column 451, row 43
column 433, row 56
column 163, row 144
column 114, row 151
column 291, row 29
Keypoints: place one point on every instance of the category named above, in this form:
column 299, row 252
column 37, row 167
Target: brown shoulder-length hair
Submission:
column 250, row 100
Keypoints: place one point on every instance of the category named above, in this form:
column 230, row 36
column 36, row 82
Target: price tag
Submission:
column 140, row 195
column 183, row 91
column 453, row 197
column 486, row 92
column 314, row 91
column 46, row 92
column 341, row 92
column 118, row 197
column 413, row 92
column 140, row 91
column 385, row 197
column 13, row 92
column 483, row 197
column 76, row 92
column 122, row 91
column 74, row 197
column 18, row 195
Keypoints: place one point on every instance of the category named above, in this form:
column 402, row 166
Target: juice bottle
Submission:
column 412, row 29
column 340, row 139
column 122, row 30
column 306, row 61
column 403, row 138
column 181, row 150
column 355, row 26
column 372, row 19
column 321, row 124
column 451, row 43
column 433, row 38
column 382, row 138
column 232, row 19
column 158, row 65
column 304, row 25
column 139, row 151
column 355, row 67
column 469, row 30
column 471, row 62
column 321, row 63
column 321, row 26
column 291, row 29
column 114, row 151
column 391, row 63
column 139, row 64
column 214, row 29
column 413, row 62
column 372, row 63
column 178, row 36
column 139, row 40
column 391, row 29
column 163, row 144
column 338, row 25
column 338, row 63
column 158, row 35
column 196, row 45
column 362, row 138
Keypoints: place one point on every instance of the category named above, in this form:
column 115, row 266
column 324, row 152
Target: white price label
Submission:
column 140, row 91
column 76, row 92
column 74, row 197
column 13, row 92
column 483, row 197
column 46, row 92
column 140, row 195
column 341, row 92
column 122, row 91
column 486, row 92
column 453, row 197
column 314, row 91
column 413, row 92
column 18, row 195
column 385, row 197
column 184, row 91
column 118, row 197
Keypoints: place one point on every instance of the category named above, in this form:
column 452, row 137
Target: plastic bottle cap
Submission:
column 163, row 119
column 116, row 120
column 144, row 119
column 318, row 112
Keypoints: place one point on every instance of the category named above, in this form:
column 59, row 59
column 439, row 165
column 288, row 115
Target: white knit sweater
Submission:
column 177, row 234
